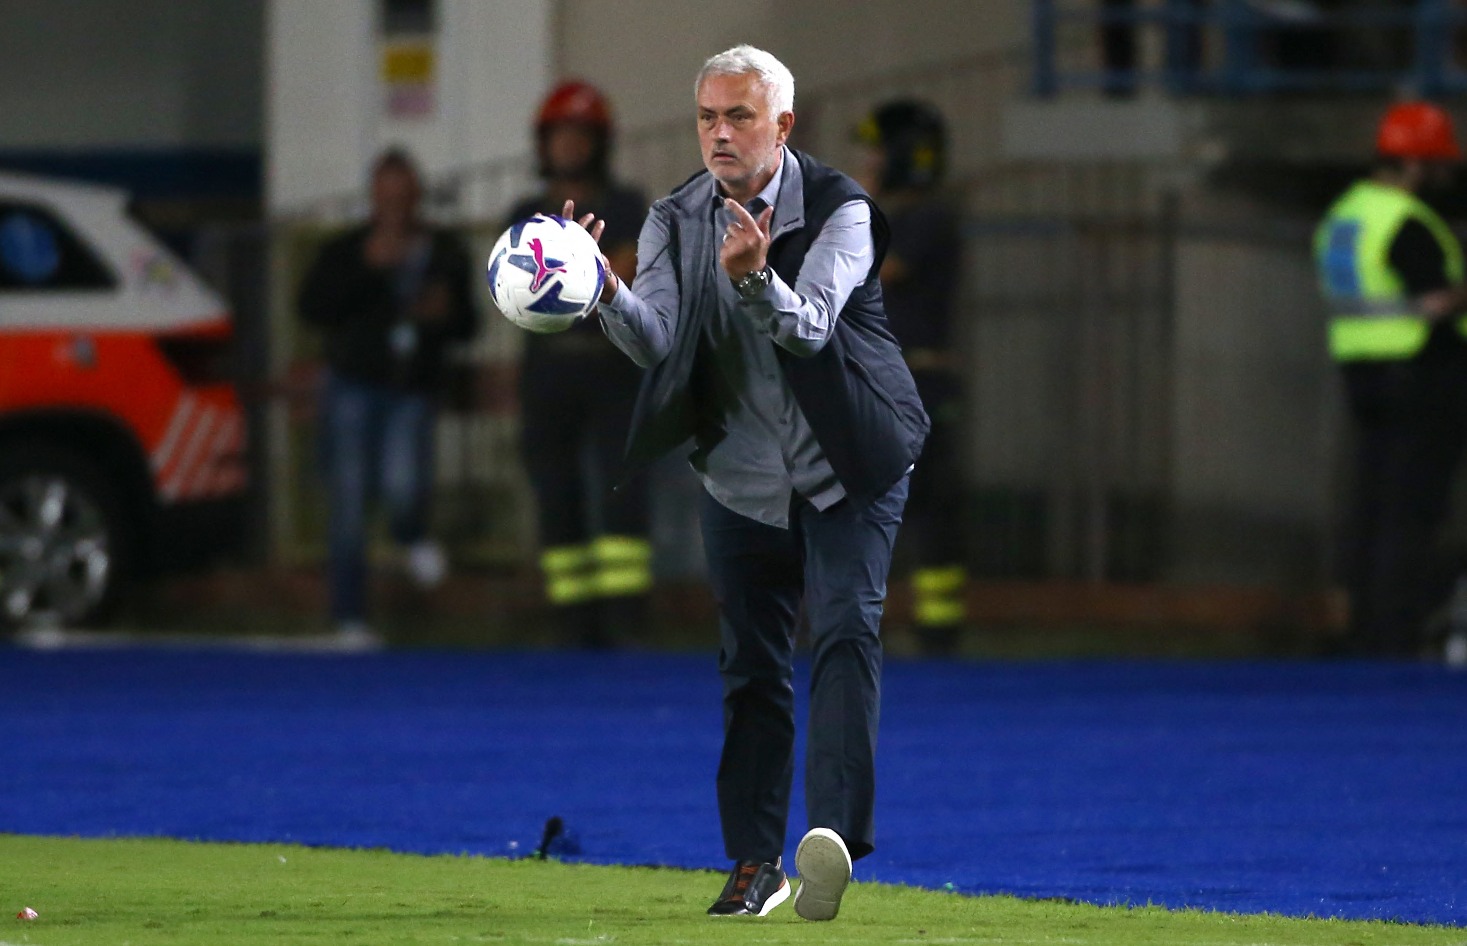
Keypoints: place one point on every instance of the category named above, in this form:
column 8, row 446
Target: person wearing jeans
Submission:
column 375, row 444
column 389, row 298
column 756, row 314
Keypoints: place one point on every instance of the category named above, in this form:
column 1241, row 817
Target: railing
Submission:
column 1148, row 396
column 1140, row 377
column 1139, row 372
column 1248, row 47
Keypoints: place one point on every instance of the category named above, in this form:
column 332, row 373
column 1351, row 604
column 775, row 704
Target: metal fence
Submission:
column 1148, row 396
column 1069, row 392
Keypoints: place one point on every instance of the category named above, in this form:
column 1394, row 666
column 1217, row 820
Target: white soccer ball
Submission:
column 545, row 273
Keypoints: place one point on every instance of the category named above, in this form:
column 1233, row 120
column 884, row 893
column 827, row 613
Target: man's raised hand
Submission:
column 746, row 241
column 595, row 228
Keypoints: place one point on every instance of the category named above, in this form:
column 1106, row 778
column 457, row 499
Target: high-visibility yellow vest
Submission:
column 1372, row 317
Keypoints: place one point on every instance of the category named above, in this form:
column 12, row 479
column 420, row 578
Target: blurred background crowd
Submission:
column 1103, row 274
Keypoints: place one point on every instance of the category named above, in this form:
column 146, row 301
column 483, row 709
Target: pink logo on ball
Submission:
column 542, row 271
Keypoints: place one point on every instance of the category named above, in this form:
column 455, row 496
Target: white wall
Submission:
column 326, row 115
column 644, row 55
column 99, row 74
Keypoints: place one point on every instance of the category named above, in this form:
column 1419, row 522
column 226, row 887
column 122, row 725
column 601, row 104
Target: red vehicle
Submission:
column 121, row 434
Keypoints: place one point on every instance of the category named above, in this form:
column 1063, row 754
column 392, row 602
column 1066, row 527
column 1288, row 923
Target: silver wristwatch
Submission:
column 753, row 283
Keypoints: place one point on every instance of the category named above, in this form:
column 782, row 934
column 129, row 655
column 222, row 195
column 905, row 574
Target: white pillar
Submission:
column 326, row 111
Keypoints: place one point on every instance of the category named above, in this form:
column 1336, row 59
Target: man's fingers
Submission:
column 597, row 230
column 765, row 215
column 569, row 210
column 741, row 216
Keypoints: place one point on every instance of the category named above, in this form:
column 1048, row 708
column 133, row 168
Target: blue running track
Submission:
column 1328, row 789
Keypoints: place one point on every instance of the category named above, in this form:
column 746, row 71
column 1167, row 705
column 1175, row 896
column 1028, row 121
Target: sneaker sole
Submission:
column 824, row 866
column 775, row 899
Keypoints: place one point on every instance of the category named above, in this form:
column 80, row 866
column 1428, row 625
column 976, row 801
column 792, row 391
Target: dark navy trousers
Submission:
column 836, row 562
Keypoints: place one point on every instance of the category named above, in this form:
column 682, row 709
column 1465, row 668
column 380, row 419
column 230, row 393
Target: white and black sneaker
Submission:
column 753, row 889
column 355, row 637
column 427, row 566
column 824, row 866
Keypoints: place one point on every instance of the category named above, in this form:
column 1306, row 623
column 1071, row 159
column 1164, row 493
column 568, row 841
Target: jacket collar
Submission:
column 789, row 209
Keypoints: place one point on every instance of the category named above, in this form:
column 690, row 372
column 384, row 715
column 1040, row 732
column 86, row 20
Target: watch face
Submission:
column 752, row 283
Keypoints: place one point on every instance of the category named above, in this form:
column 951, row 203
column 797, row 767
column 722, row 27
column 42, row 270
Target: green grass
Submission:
column 160, row 892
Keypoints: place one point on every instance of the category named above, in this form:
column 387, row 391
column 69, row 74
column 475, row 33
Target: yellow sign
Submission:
column 408, row 63
column 407, row 75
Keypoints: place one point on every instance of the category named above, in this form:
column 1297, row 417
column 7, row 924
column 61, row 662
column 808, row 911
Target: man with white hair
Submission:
column 756, row 312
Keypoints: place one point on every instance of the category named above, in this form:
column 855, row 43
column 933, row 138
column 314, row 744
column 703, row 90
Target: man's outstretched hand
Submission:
column 595, row 228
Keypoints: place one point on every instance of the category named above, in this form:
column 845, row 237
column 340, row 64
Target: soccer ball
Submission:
column 545, row 273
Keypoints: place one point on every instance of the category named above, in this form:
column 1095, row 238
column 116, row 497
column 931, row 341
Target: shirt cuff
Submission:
column 763, row 308
column 618, row 299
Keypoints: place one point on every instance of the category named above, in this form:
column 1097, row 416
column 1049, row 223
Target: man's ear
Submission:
column 786, row 122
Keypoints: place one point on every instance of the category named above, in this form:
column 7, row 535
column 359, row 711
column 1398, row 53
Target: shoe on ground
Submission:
column 427, row 566
column 753, row 889
column 1454, row 652
column 824, row 866
column 356, row 637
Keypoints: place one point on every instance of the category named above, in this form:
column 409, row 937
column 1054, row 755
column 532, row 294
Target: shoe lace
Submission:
column 742, row 878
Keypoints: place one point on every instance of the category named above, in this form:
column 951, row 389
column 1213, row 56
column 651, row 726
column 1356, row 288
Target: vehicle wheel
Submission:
column 64, row 540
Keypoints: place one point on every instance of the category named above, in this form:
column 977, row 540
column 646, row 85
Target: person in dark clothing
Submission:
column 756, row 312
column 576, row 395
column 1392, row 273
column 906, row 145
column 389, row 297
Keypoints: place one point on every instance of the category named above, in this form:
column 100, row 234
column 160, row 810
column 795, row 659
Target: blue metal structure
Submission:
column 1221, row 47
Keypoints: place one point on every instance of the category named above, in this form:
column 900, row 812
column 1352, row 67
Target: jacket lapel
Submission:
column 789, row 212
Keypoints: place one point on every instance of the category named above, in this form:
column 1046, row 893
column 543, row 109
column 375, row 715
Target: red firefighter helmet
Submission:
column 1418, row 130
column 575, row 101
